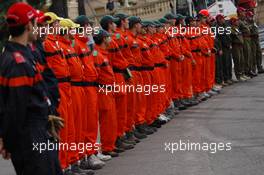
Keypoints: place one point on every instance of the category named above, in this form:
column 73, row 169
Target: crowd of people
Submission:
column 71, row 88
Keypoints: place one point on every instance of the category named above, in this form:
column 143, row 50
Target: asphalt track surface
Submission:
column 235, row 116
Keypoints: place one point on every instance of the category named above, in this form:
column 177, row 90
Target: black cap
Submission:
column 148, row 23
column 180, row 16
column 83, row 20
column 121, row 16
column 158, row 24
column 169, row 16
column 133, row 20
column 106, row 20
column 164, row 21
column 100, row 35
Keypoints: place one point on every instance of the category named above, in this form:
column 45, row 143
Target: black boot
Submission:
column 139, row 135
column 143, row 129
column 122, row 145
column 125, row 140
column 76, row 169
column 131, row 137
column 156, row 124
column 185, row 102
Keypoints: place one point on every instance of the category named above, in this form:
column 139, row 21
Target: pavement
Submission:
column 232, row 120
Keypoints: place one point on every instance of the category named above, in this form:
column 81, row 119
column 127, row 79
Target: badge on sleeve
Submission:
column 95, row 53
column 19, row 57
column 118, row 36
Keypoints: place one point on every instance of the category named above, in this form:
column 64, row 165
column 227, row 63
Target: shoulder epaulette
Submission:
column 19, row 58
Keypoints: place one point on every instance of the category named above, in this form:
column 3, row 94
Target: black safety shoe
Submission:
column 122, row 145
column 131, row 137
column 139, row 135
column 76, row 169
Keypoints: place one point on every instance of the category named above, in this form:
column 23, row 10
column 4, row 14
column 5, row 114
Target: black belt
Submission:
column 196, row 50
column 160, row 65
column 117, row 70
column 141, row 68
column 84, row 83
column 146, row 68
column 134, row 68
column 64, row 80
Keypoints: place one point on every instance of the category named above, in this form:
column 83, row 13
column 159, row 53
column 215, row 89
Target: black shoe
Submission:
column 144, row 130
column 194, row 102
column 161, row 122
column 131, row 137
column 203, row 97
column 253, row 74
column 179, row 105
column 261, row 71
column 111, row 153
column 122, row 145
column 185, row 103
column 148, row 128
column 69, row 172
column 198, row 98
column 87, row 165
column 170, row 113
column 249, row 75
column 76, row 169
column 153, row 128
column 119, row 150
column 156, row 124
column 139, row 135
column 182, row 107
column 125, row 140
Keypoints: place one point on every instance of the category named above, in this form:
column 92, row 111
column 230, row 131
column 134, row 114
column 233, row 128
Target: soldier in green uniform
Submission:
column 237, row 48
column 255, row 45
column 226, row 45
column 244, row 28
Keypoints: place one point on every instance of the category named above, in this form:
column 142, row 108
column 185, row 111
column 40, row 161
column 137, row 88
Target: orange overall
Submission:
column 205, row 62
column 195, row 46
column 160, row 63
column 131, row 96
column 106, row 99
column 187, row 89
column 90, row 119
column 119, row 64
column 76, row 73
column 58, row 64
column 165, row 77
column 148, row 76
column 140, row 98
column 161, row 69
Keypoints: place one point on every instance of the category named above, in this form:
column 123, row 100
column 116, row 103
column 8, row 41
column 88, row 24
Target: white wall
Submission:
column 225, row 7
